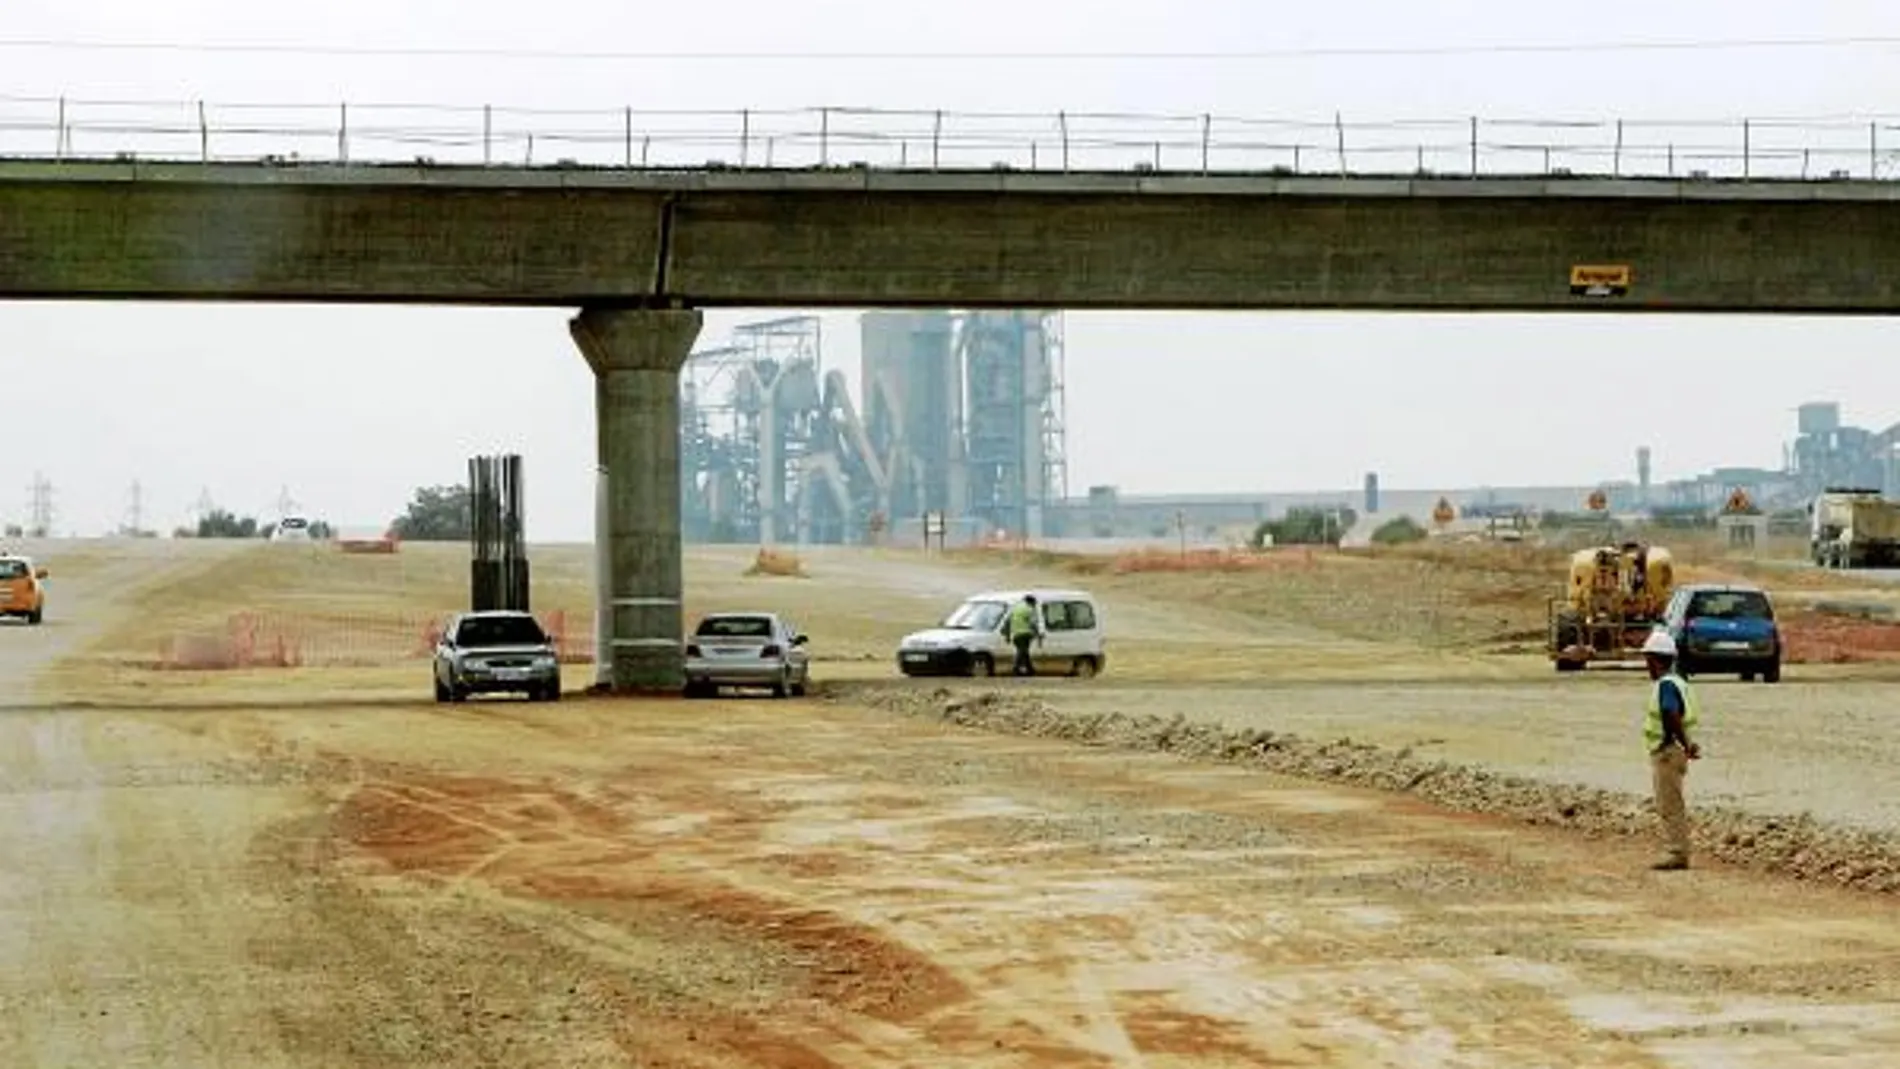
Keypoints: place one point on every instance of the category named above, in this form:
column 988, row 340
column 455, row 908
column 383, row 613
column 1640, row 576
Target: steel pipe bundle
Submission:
column 498, row 575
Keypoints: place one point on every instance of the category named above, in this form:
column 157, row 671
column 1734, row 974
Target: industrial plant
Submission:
column 961, row 416
column 1823, row 453
column 1826, row 453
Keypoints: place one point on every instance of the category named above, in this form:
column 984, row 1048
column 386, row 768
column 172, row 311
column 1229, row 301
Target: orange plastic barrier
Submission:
column 336, row 640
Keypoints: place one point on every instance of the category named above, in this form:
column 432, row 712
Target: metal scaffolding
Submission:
column 745, row 426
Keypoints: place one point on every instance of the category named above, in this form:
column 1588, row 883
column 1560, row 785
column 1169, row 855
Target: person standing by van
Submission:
column 1025, row 630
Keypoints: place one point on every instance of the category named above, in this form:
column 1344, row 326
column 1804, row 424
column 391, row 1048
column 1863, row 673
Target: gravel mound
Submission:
column 1797, row 846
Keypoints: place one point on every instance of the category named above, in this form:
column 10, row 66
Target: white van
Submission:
column 291, row 529
column 974, row 640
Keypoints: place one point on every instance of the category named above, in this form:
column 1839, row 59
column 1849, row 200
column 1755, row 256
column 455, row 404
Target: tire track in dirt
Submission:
column 899, row 895
column 860, row 988
column 536, row 851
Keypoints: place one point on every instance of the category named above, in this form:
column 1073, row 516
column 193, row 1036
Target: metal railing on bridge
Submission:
column 1810, row 147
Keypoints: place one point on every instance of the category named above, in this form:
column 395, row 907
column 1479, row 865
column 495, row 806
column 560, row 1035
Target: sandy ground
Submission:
column 307, row 868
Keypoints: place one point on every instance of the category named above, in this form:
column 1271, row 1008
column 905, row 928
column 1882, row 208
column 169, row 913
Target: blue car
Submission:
column 1725, row 627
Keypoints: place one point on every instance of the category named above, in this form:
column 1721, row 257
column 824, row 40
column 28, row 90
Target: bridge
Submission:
column 639, row 250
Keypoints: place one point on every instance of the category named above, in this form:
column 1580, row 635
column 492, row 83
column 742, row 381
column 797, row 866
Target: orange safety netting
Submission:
column 276, row 639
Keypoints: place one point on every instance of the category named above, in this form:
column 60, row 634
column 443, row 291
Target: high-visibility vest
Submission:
column 1022, row 620
column 1653, row 723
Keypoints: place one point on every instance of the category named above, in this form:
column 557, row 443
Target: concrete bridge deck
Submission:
column 859, row 237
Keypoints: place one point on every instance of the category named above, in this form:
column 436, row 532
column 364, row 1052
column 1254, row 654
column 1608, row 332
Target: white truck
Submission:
column 1853, row 528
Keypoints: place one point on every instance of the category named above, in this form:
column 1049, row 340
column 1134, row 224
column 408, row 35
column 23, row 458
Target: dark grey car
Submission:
column 496, row 652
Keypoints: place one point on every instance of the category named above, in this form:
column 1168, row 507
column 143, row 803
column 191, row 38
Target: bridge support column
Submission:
column 636, row 355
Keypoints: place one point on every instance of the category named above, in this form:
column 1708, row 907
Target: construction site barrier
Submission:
column 282, row 639
column 1211, row 560
column 366, row 545
column 1153, row 559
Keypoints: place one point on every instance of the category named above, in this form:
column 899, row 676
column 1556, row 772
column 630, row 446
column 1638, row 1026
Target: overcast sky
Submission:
column 352, row 407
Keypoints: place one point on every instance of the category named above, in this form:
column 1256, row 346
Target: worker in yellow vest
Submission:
column 1025, row 629
column 1671, row 718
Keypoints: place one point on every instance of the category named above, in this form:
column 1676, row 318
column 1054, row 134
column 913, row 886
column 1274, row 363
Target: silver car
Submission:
column 493, row 652
column 747, row 649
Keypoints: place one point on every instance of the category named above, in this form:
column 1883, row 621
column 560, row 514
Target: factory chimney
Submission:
column 1642, row 476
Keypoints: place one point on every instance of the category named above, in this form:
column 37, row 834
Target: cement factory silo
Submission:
column 965, row 411
column 912, row 401
column 1818, row 417
column 1012, row 420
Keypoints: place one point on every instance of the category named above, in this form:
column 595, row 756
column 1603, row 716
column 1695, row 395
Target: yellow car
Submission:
column 21, row 592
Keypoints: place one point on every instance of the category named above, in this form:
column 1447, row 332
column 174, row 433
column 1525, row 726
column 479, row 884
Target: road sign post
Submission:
column 934, row 527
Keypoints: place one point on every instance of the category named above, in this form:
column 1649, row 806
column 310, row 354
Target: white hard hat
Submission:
column 1660, row 644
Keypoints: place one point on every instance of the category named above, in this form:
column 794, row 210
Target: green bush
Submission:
column 436, row 514
column 1306, row 527
column 221, row 524
column 1398, row 531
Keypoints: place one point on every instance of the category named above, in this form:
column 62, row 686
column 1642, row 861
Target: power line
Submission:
column 203, row 507
column 40, row 507
column 1249, row 55
column 135, row 510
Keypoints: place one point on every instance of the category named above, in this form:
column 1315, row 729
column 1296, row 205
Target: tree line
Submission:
column 434, row 514
column 221, row 523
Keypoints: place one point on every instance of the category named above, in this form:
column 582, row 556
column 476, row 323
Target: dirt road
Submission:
column 789, row 884
column 193, row 881
column 84, row 580
column 77, row 836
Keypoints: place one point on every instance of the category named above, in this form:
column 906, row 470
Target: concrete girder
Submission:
column 559, row 237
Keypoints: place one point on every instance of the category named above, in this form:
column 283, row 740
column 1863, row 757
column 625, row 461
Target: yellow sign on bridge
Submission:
column 1600, row 280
